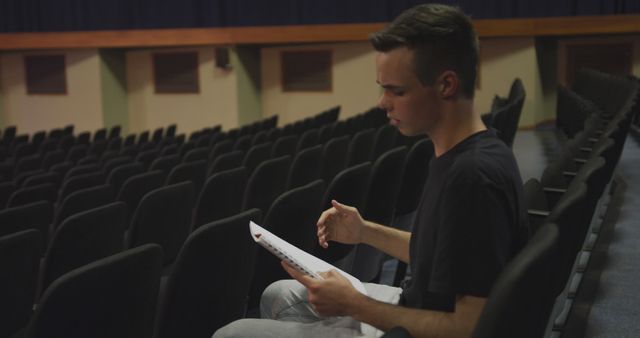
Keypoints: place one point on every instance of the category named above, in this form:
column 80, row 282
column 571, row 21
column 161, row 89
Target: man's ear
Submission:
column 448, row 84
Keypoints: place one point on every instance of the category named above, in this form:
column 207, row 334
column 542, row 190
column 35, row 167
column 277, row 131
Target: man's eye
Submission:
column 398, row 93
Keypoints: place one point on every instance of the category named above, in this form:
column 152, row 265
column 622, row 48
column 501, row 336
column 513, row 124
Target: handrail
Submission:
column 487, row 28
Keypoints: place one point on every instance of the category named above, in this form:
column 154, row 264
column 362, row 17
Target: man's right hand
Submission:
column 340, row 223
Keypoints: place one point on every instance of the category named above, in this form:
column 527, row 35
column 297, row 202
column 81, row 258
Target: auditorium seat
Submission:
column 513, row 307
column 221, row 196
column 292, row 217
column 305, row 168
column 384, row 186
column 96, row 300
column 164, row 217
column 82, row 200
column 198, row 298
column 334, row 157
column 43, row 192
column 266, row 183
column 226, row 161
column 83, row 238
column 19, row 266
column 349, row 187
column 361, row 147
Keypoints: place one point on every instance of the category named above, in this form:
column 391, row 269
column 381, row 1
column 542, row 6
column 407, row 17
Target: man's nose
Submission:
column 382, row 102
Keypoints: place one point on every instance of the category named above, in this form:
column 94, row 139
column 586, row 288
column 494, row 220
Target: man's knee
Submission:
column 238, row 328
column 280, row 295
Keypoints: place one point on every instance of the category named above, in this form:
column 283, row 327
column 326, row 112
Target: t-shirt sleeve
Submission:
column 473, row 242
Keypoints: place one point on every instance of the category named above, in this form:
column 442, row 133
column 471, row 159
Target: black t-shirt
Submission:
column 471, row 220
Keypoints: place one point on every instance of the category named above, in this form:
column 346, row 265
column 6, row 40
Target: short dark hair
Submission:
column 442, row 38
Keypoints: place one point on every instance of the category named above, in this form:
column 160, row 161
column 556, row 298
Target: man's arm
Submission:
column 391, row 241
column 420, row 323
column 334, row 296
column 343, row 223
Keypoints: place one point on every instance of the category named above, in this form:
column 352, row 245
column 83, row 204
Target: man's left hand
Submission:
column 333, row 295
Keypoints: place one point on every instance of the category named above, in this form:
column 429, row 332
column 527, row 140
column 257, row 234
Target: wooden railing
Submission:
column 584, row 25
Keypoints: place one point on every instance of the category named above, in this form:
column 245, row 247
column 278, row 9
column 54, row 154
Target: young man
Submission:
column 470, row 221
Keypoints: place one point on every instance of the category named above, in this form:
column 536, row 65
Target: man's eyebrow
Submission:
column 390, row 86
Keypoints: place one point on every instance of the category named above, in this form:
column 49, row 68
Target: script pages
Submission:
column 297, row 258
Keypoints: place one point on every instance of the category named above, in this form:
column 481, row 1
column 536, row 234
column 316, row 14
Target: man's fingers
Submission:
column 326, row 216
column 341, row 208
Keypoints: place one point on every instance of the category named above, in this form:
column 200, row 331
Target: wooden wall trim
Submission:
column 585, row 25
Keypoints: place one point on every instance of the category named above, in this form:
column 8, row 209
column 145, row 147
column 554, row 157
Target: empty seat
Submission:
column 256, row 155
column 83, row 238
column 164, row 217
column 513, row 306
column 292, row 217
column 42, row 192
column 308, row 139
column 361, row 147
column 349, row 187
column 221, row 147
column 384, row 186
column 197, row 154
column 266, row 183
column 80, row 182
column 194, row 172
column 19, row 266
column 221, row 196
column 305, row 168
column 243, row 143
column 385, row 139
column 81, row 170
column 285, row 145
column 197, row 301
column 96, row 300
column 135, row 187
column 49, row 177
column 82, row 200
column 120, row 174
column 416, row 171
column 165, row 164
column 226, row 161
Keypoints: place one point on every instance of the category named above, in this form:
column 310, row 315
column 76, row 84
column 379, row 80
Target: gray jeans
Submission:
column 286, row 312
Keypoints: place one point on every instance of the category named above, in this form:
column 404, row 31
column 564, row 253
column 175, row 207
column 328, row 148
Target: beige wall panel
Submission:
column 354, row 83
column 81, row 105
column 216, row 103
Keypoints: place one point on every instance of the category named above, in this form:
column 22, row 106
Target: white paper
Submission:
column 297, row 258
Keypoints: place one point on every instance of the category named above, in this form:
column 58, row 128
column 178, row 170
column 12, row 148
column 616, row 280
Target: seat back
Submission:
column 226, row 161
column 36, row 215
column 197, row 301
column 194, row 172
column 361, row 147
column 112, row 297
column 164, row 217
column 256, row 155
column 292, row 217
column 285, row 145
column 135, row 187
column 266, row 183
column 334, row 157
column 306, row 167
column 19, row 266
column 82, row 200
column 384, row 186
column 42, row 192
column 221, row 196
column 513, row 308
column 416, row 171
column 83, row 238
column 349, row 187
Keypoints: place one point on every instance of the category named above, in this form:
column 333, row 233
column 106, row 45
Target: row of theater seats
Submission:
column 505, row 112
column 533, row 296
column 182, row 213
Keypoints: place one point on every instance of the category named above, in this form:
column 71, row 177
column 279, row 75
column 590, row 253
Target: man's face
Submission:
column 411, row 106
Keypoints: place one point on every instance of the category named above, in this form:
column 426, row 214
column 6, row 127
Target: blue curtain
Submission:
column 73, row 15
